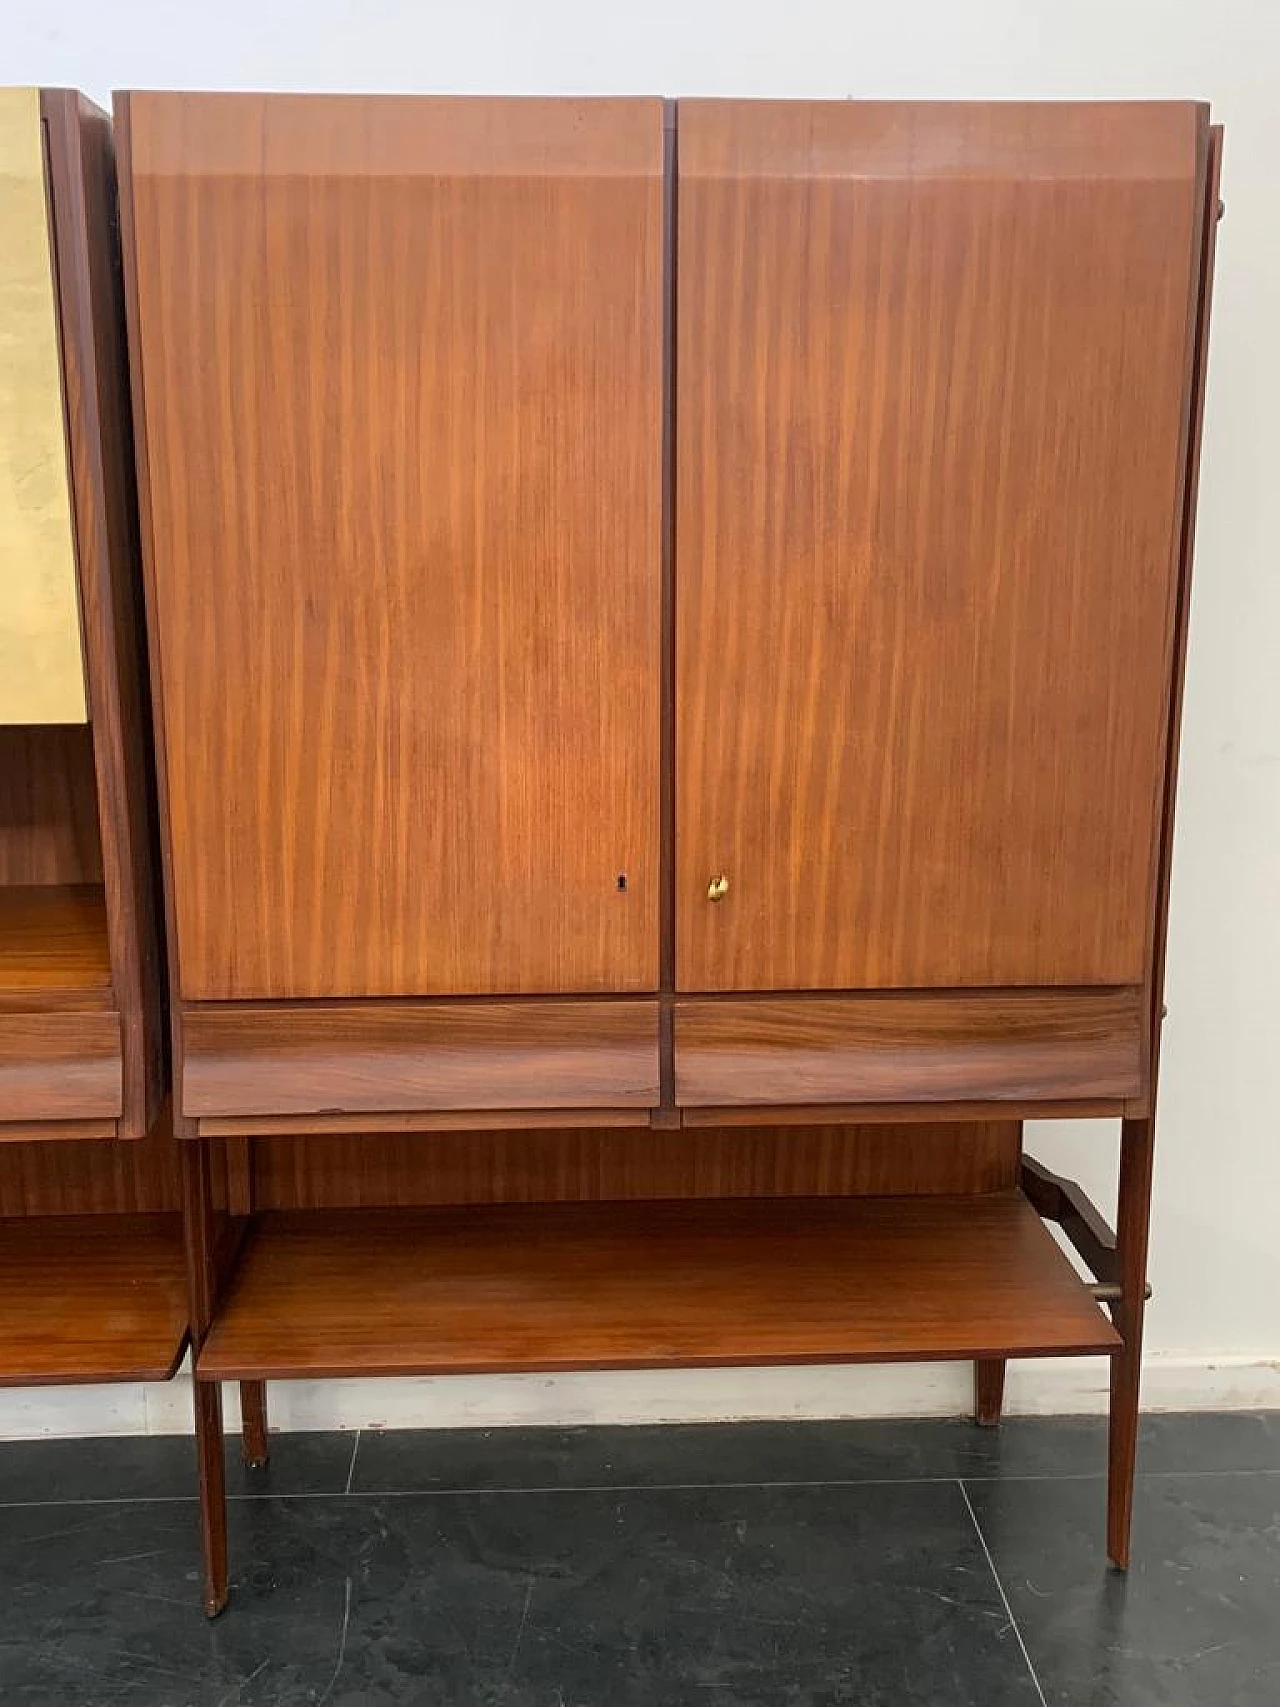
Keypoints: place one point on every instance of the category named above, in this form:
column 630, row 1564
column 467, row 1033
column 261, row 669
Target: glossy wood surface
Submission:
column 1137, row 1136
column 60, row 1064
column 1015, row 1045
column 656, row 1285
column 89, row 1178
column 48, row 806
column 21, row 1133
column 418, row 1120
column 900, row 1114
column 400, row 365
column 342, row 1057
column 53, row 945
column 104, row 496
column 41, row 662
column 91, row 1298
column 570, row 1166
column 931, row 394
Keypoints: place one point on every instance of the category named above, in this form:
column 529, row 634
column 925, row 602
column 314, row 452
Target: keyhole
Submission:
column 622, row 882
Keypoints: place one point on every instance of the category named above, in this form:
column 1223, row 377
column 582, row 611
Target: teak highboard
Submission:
column 666, row 627
column 92, row 1274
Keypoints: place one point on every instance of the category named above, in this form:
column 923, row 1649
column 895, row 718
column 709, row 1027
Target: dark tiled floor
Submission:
column 860, row 1563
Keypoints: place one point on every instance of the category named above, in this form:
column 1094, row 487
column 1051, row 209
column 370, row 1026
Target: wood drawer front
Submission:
column 402, row 366
column 1025, row 1045
column 41, row 662
column 925, row 577
column 60, row 1066
column 381, row 1057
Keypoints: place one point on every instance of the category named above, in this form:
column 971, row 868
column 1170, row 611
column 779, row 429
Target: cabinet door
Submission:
column 401, row 366
column 41, row 666
column 931, row 390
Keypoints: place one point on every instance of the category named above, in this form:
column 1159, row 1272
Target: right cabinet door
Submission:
column 932, row 373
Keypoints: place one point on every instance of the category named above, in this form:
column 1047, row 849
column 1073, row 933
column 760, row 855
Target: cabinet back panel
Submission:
column 79, row 1177
column 402, row 380
column 378, row 1170
column 48, row 806
column 931, row 393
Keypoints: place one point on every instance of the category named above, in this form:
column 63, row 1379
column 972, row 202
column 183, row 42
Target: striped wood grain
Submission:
column 401, row 366
column 931, row 395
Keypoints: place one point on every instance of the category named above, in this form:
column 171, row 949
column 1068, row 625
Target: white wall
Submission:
column 1214, row 1326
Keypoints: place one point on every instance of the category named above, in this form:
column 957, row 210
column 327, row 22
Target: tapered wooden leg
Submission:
column 253, row 1423
column 198, row 1225
column 1137, row 1149
column 988, row 1390
column 213, row 1495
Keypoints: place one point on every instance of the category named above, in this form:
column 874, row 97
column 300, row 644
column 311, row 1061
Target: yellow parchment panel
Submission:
column 41, row 667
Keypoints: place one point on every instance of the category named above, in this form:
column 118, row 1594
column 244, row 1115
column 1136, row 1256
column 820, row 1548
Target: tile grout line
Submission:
column 1013, row 1622
column 351, row 1468
column 473, row 1491
column 621, row 1487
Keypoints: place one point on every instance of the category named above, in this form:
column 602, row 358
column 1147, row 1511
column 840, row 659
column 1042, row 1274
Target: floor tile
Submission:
column 873, row 1595
column 164, row 1467
column 420, row 1460
column 1227, row 1440
column 675, row 1454
column 1196, row 1621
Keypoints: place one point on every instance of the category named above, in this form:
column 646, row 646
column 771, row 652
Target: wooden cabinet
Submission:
column 92, row 1272
column 663, row 616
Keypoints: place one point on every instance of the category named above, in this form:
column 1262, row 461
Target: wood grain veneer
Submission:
column 23, row 1133
column 1137, row 1136
column 657, row 1285
column 558, row 1166
column 104, row 495
column 60, row 1065
column 53, row 945
column 41, row 661
column 419, row 1120
column 48, row 806
column 931, row 394
column 902, row 1114
column 91, row 1298
column 346, row 1057
column 1015, row 1045
column 400, row 367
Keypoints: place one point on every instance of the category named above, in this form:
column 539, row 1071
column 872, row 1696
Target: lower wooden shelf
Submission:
column 91, row 1298
column 642, row 1285
column 53, row 944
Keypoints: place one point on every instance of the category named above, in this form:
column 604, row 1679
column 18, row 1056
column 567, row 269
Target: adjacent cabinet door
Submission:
column 401, row 365
column 41, row 661
column 931, row 397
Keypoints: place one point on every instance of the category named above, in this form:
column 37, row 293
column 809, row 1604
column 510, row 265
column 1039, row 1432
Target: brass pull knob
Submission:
column 718, row 887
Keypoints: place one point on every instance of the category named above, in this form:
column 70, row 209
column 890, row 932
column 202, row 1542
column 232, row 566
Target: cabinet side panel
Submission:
column 931, row 383
column 82, row 176
column 402, row 364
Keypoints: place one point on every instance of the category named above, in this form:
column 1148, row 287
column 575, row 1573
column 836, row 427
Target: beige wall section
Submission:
column 41, row 664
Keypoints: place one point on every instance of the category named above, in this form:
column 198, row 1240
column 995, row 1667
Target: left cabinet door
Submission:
column 400, row 364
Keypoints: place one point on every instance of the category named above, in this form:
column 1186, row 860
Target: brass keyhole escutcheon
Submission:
column 718, row 887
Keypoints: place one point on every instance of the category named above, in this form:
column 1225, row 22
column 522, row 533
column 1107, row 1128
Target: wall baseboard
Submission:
column 1057, row 1387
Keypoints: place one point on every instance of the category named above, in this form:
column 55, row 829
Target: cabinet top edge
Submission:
column 942, row 139
column 222, row 133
